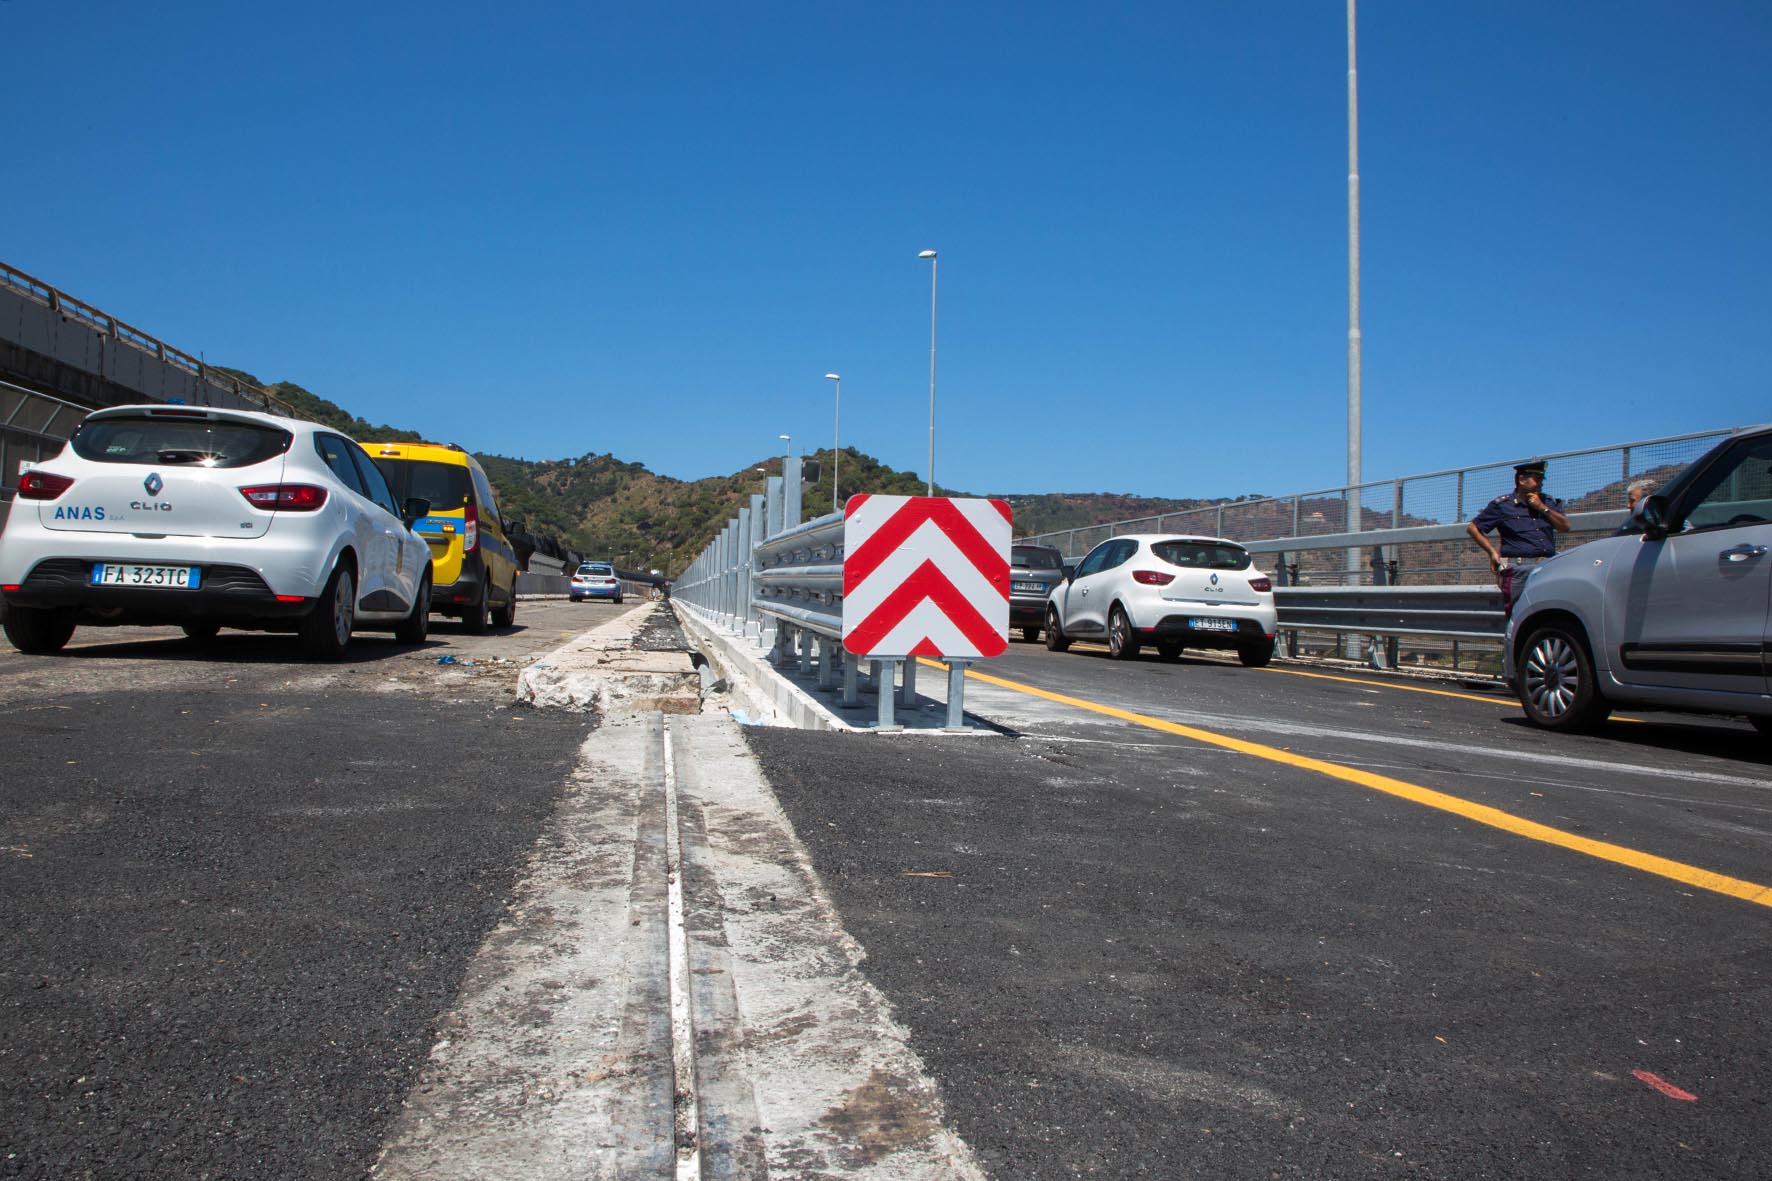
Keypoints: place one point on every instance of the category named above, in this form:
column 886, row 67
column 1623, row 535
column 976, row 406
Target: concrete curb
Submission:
column 756, row 682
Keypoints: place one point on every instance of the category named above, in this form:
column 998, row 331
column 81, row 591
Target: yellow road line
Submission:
column 1690, row 875
column 1298, row 672
column 1295, row 672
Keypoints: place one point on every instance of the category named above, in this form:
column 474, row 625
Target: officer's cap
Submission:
column 1532, row 467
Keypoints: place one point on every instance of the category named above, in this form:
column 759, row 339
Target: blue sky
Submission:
column 648, row 229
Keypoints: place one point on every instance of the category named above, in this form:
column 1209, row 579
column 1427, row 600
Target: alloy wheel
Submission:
column 1552, row 675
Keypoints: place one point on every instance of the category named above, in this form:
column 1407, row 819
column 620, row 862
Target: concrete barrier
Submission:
column 543, row 584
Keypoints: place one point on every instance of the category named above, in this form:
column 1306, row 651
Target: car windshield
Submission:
column 1203, row 555
column 445, row 485
column 1035, row 557
column 199, row 442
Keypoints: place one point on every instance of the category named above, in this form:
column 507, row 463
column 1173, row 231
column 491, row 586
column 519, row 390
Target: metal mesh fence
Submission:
column 1592, row 480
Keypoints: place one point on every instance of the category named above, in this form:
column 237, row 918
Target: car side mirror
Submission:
column 416, row 509
column 1070, row 572
column 1653, row 513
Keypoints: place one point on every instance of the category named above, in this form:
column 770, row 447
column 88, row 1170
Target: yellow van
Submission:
column 474, row 567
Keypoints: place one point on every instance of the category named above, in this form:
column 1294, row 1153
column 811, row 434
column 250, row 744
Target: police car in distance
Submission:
column 1172, row 591
column 207, row 518
column 594, row 580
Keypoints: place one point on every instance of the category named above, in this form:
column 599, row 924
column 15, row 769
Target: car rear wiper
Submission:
column 183, row 455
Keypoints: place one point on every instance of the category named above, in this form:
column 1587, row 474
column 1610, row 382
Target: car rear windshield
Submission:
column 598, row 568
column 445, row 485
column 1203, row 555
column 196, row 441
column 1035, row 557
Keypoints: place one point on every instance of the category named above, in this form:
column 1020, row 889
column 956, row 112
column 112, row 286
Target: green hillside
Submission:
column 608, row 509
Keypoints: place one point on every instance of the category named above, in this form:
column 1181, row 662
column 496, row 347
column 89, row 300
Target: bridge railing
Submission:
column 1415, row 592
column 97, row 326
column 1590, row 480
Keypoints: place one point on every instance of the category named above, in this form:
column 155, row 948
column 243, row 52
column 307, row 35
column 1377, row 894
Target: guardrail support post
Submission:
column 826, row 654
column 772, row 496
column 806, row 638
column 753, row 621
column 851, row 700
column 909, row 688
column 957, row 694
column 887, row 721
column 747, row 613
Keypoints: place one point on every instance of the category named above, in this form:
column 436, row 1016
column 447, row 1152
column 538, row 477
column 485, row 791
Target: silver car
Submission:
column 206, row 518
column 1672, row 613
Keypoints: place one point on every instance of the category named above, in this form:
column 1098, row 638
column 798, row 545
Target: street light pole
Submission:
column 933, row 264
column 836, row 437
column 1353, row 283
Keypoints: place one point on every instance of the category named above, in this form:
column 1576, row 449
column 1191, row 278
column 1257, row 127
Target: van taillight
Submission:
column 1260, row 584
column 471, row 529
column 1152, row 577
column 285, row 498
column 36, row 485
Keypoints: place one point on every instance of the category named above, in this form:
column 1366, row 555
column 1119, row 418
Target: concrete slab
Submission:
column 602, row 670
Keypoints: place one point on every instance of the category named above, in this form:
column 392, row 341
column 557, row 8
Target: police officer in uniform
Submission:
column 1526, row 523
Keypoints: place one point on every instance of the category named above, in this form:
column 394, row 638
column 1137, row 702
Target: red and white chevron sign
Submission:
column 926, row 576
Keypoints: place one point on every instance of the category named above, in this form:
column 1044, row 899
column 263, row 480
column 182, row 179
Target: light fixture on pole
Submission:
column 933, row 264
column 836, row 437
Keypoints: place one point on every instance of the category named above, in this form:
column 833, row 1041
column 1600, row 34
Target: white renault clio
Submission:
column 208, row 518
column 1174, row 592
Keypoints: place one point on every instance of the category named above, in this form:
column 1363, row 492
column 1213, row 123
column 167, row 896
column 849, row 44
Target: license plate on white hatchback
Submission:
column 158, row 577
column 1208, row 624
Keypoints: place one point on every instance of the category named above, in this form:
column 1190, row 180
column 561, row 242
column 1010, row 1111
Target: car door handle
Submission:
column 1742, row 553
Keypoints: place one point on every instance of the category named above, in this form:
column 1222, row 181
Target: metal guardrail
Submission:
column 783, row 588
column 1461, row 612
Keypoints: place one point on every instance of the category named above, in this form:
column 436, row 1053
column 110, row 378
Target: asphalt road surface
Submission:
column 1267, row 924
column 1182, row 920
column 236, row 888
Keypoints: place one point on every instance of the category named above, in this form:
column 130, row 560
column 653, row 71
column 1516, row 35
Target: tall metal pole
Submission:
column 1353, row 289
column 790, row 487
column 836, row 438
column 934, row 265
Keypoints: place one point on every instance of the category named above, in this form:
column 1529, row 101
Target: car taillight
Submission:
column 1260, row 585
column 36, row 485
column 1152, row 577
column 471, row 531
column 286, row 498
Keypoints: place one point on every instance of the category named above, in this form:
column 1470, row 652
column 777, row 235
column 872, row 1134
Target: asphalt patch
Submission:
column 230, row 916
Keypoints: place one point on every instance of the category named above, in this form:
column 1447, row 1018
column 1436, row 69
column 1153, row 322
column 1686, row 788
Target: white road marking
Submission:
column 687, row 1111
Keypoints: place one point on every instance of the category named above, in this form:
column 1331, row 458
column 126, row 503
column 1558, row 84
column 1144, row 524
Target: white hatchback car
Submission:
column 205, row 518
column 1174, row 592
